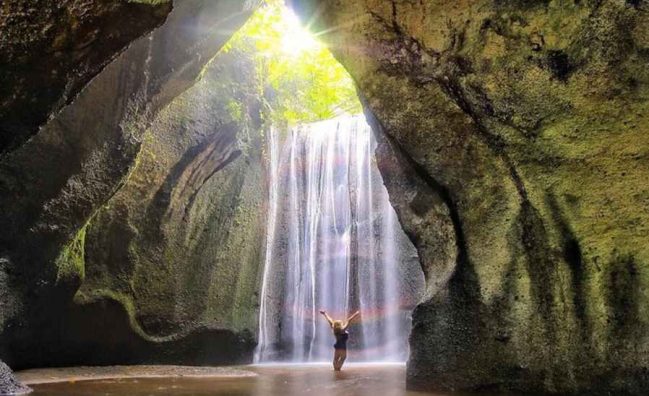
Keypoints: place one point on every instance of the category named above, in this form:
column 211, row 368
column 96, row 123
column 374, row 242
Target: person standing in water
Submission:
column 340, row 332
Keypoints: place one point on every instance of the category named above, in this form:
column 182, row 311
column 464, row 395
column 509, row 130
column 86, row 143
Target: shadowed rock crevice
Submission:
column 425, row 204
column 572, row 255
column 195, row 168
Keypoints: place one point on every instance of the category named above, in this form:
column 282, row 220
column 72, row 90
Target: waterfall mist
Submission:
column 334, row 243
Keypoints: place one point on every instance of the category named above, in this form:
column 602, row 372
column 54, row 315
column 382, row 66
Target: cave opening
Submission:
column 167, row 200
column 333, row 242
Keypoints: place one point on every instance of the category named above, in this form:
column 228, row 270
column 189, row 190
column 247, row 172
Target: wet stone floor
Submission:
column 285, row 380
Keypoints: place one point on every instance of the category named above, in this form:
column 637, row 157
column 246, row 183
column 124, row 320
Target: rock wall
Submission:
column 178, row 247
column 513, row 140
column 523, row 127
column 51, row 50
column 9, row 385
column 53, row 183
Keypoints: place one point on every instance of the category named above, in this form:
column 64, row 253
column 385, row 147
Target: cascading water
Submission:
column 333, row 243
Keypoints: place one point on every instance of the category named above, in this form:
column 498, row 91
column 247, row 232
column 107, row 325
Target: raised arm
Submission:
column 349, row 320
column 331, row 321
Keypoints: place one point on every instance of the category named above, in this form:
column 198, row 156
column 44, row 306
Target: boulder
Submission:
column 9, row 385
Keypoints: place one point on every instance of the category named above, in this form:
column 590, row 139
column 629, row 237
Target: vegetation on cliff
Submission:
column 299, row 78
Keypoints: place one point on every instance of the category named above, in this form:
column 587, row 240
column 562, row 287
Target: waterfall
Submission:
column 333, row 242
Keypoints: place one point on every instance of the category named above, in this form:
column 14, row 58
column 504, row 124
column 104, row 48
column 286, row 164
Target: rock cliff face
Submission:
column 514, row 143
column 178, row 247
column 52, row 184
column 522, row 126
column 51, row 50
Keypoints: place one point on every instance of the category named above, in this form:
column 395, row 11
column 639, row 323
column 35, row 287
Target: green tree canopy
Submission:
column 299, row 78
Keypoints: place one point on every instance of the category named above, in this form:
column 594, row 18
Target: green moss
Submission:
column 126, row 301
column 235, row 110
column 71, row 260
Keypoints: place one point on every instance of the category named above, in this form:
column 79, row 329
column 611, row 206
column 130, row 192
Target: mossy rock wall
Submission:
column 179, row 246
column 52, row 184
column 528, row 121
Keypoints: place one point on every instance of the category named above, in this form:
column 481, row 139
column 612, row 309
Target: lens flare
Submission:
column 295, row 38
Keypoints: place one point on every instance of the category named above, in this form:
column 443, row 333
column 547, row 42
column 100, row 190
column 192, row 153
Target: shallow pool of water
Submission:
column 285, row 380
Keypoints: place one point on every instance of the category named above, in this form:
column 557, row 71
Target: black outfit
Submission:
column 341, row 340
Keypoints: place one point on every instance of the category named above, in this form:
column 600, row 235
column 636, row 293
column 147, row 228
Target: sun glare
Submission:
column 295, row 38
column 303, row 80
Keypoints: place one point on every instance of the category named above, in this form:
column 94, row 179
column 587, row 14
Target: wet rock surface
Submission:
column 521, row 126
